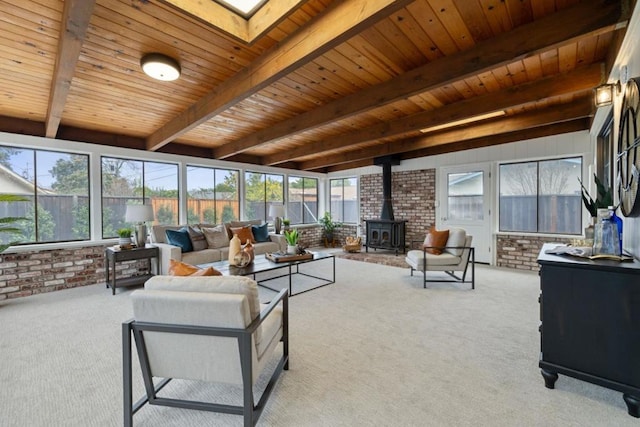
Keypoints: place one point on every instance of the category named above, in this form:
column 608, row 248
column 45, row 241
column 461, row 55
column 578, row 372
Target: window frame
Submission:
column 264, row 200
column 340, row 217
column 34, row 198
column 143, row 197
column 538, row 195
column 303, row 203
column 214, row 171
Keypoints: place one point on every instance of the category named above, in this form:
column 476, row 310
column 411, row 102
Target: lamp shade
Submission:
column 276, row 211
column 139, row 213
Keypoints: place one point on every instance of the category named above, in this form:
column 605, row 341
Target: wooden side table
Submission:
column 114, row 256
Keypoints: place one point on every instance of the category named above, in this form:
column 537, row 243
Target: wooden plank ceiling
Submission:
column 331, row 85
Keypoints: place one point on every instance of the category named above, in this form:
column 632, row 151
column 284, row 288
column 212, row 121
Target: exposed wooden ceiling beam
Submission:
column 485, row 141
column 558, row 113
column 75, row 21
column 585, row 19
column 336, row 25
column 504, row 138
column 581, row 79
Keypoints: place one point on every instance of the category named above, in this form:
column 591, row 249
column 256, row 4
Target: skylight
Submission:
column 246, row 8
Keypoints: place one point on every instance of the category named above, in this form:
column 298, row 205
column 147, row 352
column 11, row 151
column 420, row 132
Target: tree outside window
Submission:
column 134, row 181
column 56, row 186
column 260, row 191
column 212, row 195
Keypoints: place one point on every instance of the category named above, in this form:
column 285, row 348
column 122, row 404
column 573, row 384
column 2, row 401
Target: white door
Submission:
column 465, row 202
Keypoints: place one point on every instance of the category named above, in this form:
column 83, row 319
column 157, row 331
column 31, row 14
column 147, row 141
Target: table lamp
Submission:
column 139, row 214
column 277, row 212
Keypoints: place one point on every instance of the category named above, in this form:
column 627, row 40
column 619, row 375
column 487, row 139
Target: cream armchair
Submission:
column 204, row 329
column 456, row 257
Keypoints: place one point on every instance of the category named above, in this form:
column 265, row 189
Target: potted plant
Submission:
column 7, row 224
column 125, row 237
column 604, row 199
column 292, row 241
column 286, row 223
column 328, row 226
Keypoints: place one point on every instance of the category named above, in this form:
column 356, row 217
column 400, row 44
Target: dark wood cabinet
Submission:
column 590, row 323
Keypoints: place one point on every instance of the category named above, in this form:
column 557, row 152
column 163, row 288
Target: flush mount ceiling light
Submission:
column 160, row 67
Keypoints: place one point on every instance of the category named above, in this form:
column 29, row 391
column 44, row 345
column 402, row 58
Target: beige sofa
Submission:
column 277, row 242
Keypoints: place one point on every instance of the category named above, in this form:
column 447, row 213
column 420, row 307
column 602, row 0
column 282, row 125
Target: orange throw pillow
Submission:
column 178, row 268
column 209, row 271
column 244, row 234
column 435, row 241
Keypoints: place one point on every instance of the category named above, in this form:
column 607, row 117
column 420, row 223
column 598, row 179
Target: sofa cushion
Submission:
column 457, row 238
column 416, row 257
column 180, row 238
column 158, row 232
column 216, row 237
column 236, row 224
column 198, row 241
column 204, row 256
column 260, row 232
column 244, row 234
column 436, row 241
column 178, row 268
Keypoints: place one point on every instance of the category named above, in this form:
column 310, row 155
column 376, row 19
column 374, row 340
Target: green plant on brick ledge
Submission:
column 7, row 224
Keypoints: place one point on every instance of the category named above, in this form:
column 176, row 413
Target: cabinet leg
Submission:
column 550, row 378
column 633, row 405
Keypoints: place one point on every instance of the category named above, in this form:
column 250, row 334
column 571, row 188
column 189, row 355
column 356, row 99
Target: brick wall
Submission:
column 413, row 194
column 311, row 236
column 521, row 252
column 34, row 272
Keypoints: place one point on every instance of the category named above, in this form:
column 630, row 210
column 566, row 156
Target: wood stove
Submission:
column 386, row 232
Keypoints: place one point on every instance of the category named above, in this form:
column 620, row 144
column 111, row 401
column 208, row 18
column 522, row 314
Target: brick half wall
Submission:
column 521, row 252
column 35, row 272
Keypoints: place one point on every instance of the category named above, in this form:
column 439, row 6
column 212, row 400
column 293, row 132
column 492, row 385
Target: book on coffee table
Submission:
column 284, row 257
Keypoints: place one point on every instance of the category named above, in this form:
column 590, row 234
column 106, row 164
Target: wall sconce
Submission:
column 160, row 67
column 605, row 92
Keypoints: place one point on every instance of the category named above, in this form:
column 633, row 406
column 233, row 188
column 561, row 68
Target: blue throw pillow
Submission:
column 261, row 232
column 180, row 238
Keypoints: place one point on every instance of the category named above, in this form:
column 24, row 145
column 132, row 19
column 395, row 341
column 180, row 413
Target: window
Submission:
column 260, row 190
column 344, row 200
column 605, row 152
column 302, row 205
column 135, row 181
column 465, row 196
column 212, row 195
column 56, row 186
column 541, row 196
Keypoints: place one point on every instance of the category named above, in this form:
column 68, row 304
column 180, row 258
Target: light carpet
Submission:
column 374, row 349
